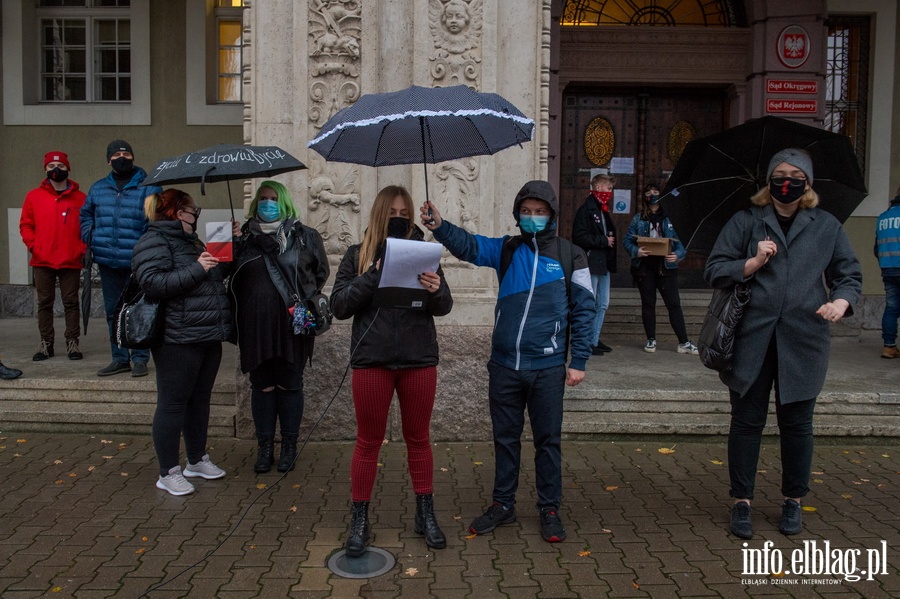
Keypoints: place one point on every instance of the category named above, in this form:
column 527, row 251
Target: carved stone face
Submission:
column 455, row 17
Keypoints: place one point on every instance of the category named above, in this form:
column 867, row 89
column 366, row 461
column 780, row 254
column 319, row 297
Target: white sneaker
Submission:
column 174, row 482
column 651, row 346
column 687, row 348
column 204, row 468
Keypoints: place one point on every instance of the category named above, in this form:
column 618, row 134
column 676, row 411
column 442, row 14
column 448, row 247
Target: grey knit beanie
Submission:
column 795, row 157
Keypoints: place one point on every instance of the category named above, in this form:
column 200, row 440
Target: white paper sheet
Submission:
column 405, row 260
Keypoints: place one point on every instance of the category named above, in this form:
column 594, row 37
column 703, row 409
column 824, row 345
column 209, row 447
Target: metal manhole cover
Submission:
column 374, row 562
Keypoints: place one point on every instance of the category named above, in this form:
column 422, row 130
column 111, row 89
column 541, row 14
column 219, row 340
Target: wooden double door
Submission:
column 638, row 130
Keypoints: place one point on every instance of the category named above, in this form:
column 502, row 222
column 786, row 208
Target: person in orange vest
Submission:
column 50, row 228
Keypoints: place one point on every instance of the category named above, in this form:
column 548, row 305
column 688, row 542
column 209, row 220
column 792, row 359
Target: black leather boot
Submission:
column 426, row 523
column 288, row 453
column 358, row 535
column 265, row 456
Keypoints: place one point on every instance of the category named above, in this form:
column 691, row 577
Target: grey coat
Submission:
column 785, row 295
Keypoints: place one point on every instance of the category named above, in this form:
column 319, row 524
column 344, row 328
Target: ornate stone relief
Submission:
column 335, row 29
column 456, row 27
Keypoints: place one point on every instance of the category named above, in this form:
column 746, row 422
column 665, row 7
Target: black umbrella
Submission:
column 87, row 264
column 422, row 124
column 223, row 162
column 716, row 175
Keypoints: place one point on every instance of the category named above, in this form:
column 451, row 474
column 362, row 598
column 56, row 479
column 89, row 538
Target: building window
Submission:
column 847, row 80
column 229, row 46
column 702, row 13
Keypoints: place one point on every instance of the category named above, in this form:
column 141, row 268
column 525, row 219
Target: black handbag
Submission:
column 139, row 321
column 716, row 341
column 312, row 316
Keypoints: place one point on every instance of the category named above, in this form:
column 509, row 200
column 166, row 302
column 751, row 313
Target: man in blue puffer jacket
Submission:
column 537, row 305
column 112, row 220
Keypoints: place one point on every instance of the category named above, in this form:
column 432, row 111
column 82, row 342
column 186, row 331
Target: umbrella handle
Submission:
column 203, row 181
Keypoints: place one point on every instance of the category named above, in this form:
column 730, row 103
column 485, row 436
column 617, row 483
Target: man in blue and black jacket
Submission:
column 544, row 304
column 887, row 250
column 112, row 221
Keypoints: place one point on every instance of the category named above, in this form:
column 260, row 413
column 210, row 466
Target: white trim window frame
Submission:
column 24, row 102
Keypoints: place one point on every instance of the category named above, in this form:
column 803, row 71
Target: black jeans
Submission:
column 667, row 286
column 284, row 403
column 795, row 425
column 541, row 392
column 185, row 375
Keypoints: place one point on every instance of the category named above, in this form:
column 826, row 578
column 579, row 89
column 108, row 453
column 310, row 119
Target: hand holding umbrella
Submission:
column 431, row 216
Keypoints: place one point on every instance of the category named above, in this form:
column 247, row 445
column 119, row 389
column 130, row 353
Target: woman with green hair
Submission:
column 276, row 259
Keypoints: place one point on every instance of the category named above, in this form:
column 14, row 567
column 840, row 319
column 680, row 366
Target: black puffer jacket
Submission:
column 395, row 338
column 195, row 301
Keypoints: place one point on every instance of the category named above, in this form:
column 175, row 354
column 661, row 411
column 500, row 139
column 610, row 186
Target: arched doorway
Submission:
column 636, row 81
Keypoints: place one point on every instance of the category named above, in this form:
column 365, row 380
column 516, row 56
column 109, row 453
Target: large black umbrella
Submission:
column 422, row 124
column 223, row 162
column 716, row 175
column 87, row 264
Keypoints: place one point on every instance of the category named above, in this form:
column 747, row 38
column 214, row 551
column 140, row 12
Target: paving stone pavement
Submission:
column 80, row 517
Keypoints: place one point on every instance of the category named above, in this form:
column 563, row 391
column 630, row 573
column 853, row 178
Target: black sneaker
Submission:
column 8, row 374
column 114, row 368
column 495, row 516
column 603, row 346
column 741, row 524
column 551, row 526
column 44, row 351
column 596, row 351
column 139, row 369
column 791, row 519
column 72, row 350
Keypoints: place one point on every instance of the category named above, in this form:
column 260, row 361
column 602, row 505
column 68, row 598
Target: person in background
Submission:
column 545, row 294
column 172, row 265
column 50, row 229
column 112, row 220
column 787, row 249
column 8, row 374
column 887, row 250
column 594, row 232
column 657, row 273
column 392, row 350
column 276, row 256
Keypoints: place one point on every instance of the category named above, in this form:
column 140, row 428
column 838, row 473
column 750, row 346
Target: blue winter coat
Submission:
column 641, row 228
column 533, row 309
column 112, row 221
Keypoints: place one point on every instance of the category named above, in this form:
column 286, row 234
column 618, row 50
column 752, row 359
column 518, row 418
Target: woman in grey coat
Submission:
column 803, row 275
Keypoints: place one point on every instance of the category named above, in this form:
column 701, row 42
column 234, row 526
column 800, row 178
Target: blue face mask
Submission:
column 532, row 223
column 267, row 211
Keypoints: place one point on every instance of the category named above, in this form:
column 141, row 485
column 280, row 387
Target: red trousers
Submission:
column 373, row 390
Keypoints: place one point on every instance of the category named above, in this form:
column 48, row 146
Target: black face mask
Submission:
column 398, row 227
column 787, row 189
column 122, row 166
column 57, row 174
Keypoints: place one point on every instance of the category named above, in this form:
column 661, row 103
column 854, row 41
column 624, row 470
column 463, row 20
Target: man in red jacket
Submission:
column 51, row 231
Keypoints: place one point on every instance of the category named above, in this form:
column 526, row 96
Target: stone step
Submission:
column 98, row 391
column 93, row 417
column 585, row 424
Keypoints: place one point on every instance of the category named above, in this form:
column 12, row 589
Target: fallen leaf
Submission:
column 880, row 486
column 761, row 471
column 583, row 553
column 122, row 446
column 445, row 470
column 105, row 441
column 638, row 450
column 384, row 441
column 145, row 539
column 861, row 452
column 140, row 551
column 847, row 496
column 606, row 530
column 635, row 585
column 72, row 475
column 457, row 518
column 106, row 457
column 19, row 455
column 855, row 462
column 123, row 474
column 91, row 468
column 818, row 480
column 293, row 508
column 809, row 508
column 2, row 446
column 865, row 480
column 55, row 589
column 884, row 455
column 665, row 450
column 716, row 462
column 817, row 473
column 295, row 486
column 251, row 547
column 471, row 536
column 412, row 571
column 856, row 482
column 59, row 482
column 21, row 441
column 777, row 574
column 845, row 452
column 478, row 463
column 611, row 488
column 260, row 485
column 57, row 461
